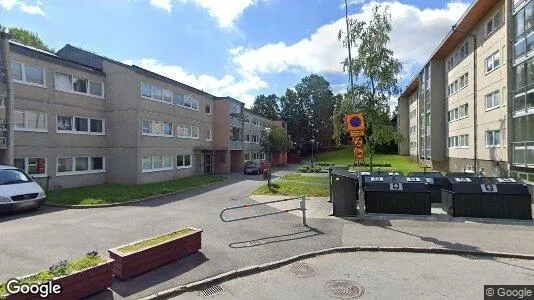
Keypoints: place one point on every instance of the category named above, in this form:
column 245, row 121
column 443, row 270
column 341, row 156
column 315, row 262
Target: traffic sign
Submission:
column 359, row 154
column 355, row 124
column 358, row 142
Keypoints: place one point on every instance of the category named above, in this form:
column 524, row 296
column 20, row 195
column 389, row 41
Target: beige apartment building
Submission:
column 76, row 118
column 486, row 114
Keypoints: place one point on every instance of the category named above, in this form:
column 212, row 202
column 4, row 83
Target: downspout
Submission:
column 475, row 135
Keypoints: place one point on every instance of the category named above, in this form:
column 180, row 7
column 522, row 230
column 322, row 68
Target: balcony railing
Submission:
column 523, row 154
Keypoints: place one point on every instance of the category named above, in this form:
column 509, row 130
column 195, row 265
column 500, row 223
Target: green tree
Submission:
column 318, row 101
column 26, row 37
column 267, row 106
column 376, row 71
column 277, row 141
column 292, row 112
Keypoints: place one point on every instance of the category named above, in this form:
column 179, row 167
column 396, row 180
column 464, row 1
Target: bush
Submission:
column 317, row 169
column 347, row 167
column 304, row 169
column 324, row 164
column 381, row 165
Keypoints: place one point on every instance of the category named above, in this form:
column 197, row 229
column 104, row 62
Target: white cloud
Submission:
column 224, row 12
column 352, row 2
column 416, row 33
column 166, row 5
column 242, row 88
column 32, row 9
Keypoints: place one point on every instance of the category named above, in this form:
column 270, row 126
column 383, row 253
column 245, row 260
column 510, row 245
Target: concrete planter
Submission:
column 128, row 265
column 78, row 285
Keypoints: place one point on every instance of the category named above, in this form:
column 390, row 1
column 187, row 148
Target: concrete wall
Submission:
column 437, row 133
column 403, row 123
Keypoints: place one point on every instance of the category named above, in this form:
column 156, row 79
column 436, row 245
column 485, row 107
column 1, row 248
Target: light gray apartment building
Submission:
column 75, row 118
column 485, row 121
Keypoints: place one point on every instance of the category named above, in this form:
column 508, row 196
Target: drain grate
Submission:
column 344, row 289
column 212, row 290
column 302, row 270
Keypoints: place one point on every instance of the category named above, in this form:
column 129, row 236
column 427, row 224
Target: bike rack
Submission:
column 301, row 208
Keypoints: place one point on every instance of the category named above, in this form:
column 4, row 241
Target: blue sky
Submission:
column 239, row 48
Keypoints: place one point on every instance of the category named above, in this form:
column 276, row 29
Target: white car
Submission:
column 18, row 190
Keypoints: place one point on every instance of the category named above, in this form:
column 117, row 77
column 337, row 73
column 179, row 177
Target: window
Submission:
column 156, row 128
column 493, row 138
column 493, row 62
column 27, row 74
column 453, row 142
column 156, row 163
column 453, row 87
column 179, row 99
column 247, row 138
column 187, row 131
column 493, row 100
column 255, row 121
column 493, row 23
column 453, row 115
column 463, row 141
column 156, row 93
column 32, row 166
column 463, row 111
column 412, row 129
column 247, row 119
column 207, row 109
column 183, row 161
column 208, row 135
column 247, row 156
column 80, row 165
column 464, row 80
column 76, row 85
column 254, row 138
column 71, row 124
column 26, row 120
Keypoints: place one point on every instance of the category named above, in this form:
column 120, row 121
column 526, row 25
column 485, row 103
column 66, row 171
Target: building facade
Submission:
column 76, row 118
column 486, row 122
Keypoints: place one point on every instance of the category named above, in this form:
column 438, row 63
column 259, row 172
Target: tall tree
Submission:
column 26, row 37
column 318, row 99
column 292, row 112
column 267, row 106
column 277, row 141
column 377, row 70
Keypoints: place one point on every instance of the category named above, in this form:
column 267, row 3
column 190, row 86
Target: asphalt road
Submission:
column 381, row 275
column 32, row 242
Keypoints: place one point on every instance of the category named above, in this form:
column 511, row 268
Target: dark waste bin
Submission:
column 344, row 188
column 436, row 181
column 487, row 197
column 396, row 195
column 379, row 174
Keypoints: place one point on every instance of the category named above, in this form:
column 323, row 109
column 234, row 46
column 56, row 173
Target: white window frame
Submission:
column 163, row 90
column 463, row 141
column 211, row 108
column 27, row 167
column 25, row 128
column 209, row 138
column 72, row 91
column 153, row 169
column 492, row 95
column 453, row 142
column 255, row 122
column 493, row 133
column 179, row 130
column 465, row 109
column 74, row 172
column 465, row 80
column 74, row 131
column 494, row 26
column 255, row 139
column 184, row 166
column 23, row 70
column 247, row 138
column 152, row 123
column 492, row 57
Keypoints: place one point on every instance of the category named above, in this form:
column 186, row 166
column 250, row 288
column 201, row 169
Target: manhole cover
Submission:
column 212, row 290
column 302, row 270
column 344, row 289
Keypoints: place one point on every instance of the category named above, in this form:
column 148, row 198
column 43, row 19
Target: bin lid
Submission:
column 396, row 187
column 484, row 185
column 426, row 174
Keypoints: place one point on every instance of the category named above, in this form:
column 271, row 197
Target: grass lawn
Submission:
column 114, row 193
column 346, row 157
column 297, row 185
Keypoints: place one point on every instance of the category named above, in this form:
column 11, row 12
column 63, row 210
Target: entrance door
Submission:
column 208, row 163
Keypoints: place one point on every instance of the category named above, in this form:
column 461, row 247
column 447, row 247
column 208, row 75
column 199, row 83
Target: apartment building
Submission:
column 485, row 58
column 77, row 118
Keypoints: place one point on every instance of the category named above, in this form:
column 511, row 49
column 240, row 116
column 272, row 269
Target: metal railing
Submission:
column 301, row 208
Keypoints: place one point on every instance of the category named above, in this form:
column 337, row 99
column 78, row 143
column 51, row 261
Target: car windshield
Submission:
column 250, row 163
column 13, row 176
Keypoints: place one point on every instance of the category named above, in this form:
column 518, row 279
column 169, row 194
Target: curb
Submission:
column 129, row 202
column 276, row 264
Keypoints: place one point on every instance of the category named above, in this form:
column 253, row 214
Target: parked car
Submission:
column 18, row 190
column 254, row 167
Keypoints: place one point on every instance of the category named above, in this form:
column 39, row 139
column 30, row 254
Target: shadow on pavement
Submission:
column 10, row 216
column 311, row 232
column 153, row 278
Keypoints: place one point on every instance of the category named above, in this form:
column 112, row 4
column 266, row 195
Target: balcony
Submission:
column 523, row 100
column 523, row 154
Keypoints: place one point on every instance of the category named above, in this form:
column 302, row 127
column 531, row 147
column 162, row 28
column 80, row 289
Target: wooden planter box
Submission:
column 78, row 285
column 128, row 265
